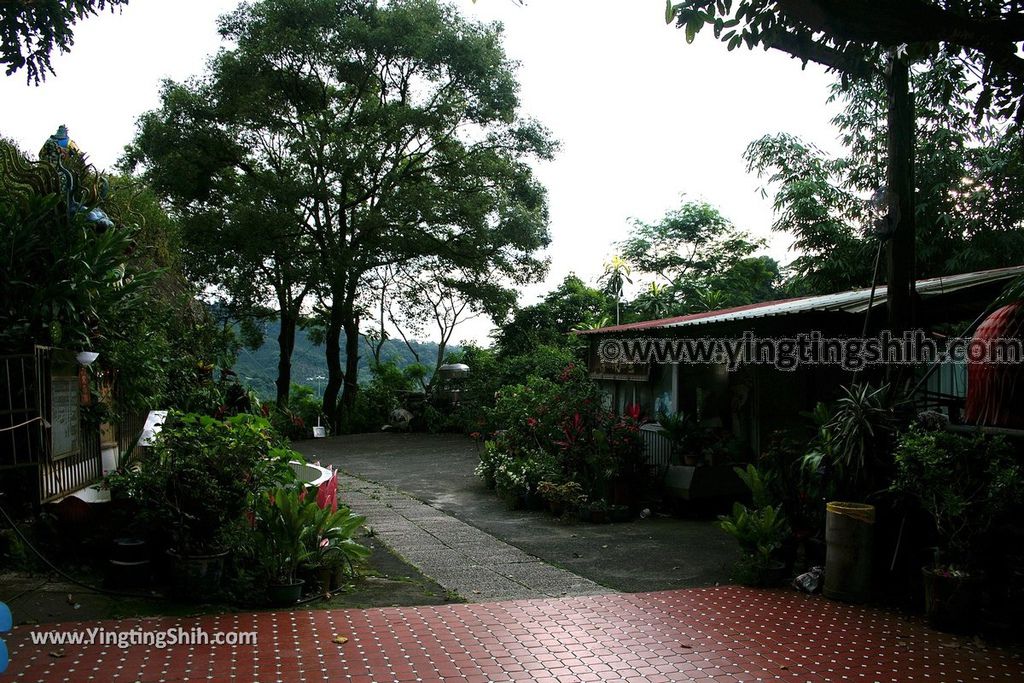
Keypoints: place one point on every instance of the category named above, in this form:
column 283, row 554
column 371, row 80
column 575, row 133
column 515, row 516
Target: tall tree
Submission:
column 429, row 297
column 571, row 305
column 223, row 162
column 398, row 128
column 700, row 259
column 31, row 30
column 969, row 213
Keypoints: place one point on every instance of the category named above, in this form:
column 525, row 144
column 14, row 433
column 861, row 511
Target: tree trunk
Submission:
column 900, row 193
column 286, row 346
column 335, row 375
column 351, row 327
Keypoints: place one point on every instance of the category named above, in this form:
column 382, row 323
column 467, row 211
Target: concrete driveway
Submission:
column 645, row 555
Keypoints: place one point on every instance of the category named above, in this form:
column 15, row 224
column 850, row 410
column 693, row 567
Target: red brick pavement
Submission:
column 716, row 635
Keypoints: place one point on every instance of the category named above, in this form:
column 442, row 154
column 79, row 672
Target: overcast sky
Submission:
column 642, row 117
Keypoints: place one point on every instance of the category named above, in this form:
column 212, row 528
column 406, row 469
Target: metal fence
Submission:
column 20, row 419
column 128, row 432
column 657, row 447
column 60, row 477
column 26, row 407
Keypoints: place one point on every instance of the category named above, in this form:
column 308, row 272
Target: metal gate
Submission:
column 27, row 422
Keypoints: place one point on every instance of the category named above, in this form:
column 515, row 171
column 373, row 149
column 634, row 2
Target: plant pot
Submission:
column 849, row 535
column 598, row 516
column 950, row 601
column 196, row 577
column 691, row 460
column 285, row 594
column 774, row 574
column 556, row 508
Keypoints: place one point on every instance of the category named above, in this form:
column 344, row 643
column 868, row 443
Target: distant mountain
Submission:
column 258, row 368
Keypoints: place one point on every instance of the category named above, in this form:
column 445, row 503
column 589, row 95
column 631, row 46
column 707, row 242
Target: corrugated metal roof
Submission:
column 853, row 301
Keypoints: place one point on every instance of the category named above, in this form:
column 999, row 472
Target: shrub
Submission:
column 200, row 475
column 966, row 484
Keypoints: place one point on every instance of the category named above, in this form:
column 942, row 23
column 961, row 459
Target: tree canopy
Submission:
column 969, row 209
column 849, row 36
column 30, row 31
column 380, row 134
column 698, row 261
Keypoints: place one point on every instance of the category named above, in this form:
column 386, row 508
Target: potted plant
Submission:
column 511, row 483
column 287, row 524
column 193, row 484
column 760, row 531
column 562, row 498
column 333, row 552
column 597, row 512
column 966, row 484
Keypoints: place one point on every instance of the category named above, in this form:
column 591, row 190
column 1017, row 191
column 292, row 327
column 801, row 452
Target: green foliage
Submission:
column 380, row 396
column 353, row 136
column 760, row 530
column 567, row 495
column 700, row 261
column 548, row 323
column 854, row 442
column 287, row 526
column 851, row 38
column 966, row 483
column 199, row 476
column 557, row 430
column 61, row 281
column 331, row 544
column 968, row 210
column 31, row 31
column 303, row 412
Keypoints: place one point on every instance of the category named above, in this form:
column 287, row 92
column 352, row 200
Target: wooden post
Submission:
column 900, row 184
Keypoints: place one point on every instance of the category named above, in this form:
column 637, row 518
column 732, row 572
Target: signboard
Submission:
column 64, row 416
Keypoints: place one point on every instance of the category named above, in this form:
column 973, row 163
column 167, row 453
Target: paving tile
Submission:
column 716, row 634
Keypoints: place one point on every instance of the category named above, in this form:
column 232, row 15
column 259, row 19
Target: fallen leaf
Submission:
column 340, row 640
column 57, row 653
column 689, row 647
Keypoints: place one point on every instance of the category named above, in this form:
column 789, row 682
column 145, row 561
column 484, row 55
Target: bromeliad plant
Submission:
column 331, row 543
column 287, row 525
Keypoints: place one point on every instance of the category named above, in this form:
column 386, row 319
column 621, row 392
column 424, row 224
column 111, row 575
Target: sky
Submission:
column 643, row 118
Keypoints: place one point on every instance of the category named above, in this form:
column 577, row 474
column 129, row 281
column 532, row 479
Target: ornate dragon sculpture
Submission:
column 62, row 170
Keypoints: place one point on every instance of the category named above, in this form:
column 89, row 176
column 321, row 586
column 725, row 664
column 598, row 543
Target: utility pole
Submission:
column 900, row 249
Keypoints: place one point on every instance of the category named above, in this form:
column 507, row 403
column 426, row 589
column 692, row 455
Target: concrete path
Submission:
column 656, row 553
column 461, row 558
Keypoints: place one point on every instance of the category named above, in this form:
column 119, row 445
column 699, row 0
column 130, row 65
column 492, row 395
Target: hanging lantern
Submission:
column 995, row 391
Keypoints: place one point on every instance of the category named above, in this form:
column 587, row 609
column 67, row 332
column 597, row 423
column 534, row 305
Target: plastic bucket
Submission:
column 849, row 535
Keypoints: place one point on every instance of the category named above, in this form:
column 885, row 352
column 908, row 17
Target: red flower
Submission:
column 531, row 422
